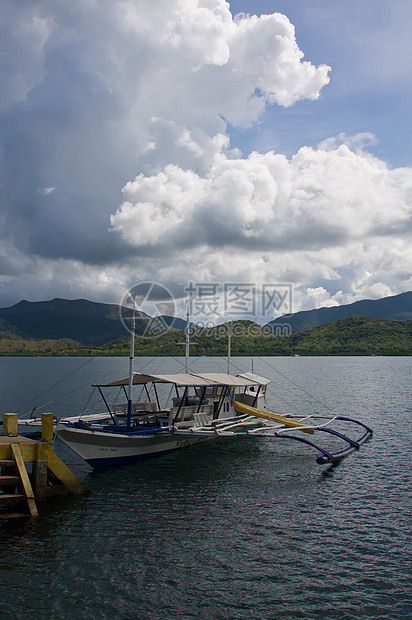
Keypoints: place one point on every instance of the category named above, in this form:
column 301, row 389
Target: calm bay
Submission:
column 229, row 529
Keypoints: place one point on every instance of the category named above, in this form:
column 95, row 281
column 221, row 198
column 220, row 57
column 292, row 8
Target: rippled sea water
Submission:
column 230, row 529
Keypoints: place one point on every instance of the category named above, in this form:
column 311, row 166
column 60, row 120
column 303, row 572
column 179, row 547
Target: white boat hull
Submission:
column 100, row 449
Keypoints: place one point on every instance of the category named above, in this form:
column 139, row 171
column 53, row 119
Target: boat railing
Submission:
column 198, row 414
column 203, row 418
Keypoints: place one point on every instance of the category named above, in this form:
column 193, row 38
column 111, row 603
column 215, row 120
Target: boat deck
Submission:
column 7, row 440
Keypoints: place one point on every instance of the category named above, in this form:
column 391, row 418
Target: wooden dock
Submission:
column 30, row 472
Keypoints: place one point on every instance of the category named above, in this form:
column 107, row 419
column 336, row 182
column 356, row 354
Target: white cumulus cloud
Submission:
column 339, row 219
column 137, row 96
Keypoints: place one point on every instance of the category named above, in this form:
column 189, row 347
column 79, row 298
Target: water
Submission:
column 237, row 529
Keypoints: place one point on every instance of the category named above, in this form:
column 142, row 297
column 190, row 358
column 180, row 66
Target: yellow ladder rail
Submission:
column 28, row 490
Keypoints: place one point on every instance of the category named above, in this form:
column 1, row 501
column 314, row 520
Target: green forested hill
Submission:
column 358, row 335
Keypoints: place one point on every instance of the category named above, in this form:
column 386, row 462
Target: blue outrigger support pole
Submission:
column 330, row 457
column 332, row 432
column 345, row 419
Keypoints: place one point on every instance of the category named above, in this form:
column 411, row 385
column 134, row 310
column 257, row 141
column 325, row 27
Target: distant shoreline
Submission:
column 352, row 336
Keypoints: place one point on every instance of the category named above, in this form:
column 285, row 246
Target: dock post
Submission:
column 10, row 424
column 47, row 433
column 40, row 471
column 40, row 465
column 55, row 465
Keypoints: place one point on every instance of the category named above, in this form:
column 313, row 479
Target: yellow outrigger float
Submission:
column 273, row 417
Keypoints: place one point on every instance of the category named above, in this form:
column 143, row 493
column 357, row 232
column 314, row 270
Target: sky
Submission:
column 203, row 145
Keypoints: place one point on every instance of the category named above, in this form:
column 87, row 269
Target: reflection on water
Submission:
column 241, row 528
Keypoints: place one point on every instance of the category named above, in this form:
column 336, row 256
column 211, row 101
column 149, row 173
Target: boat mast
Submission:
column 187, row 343
column 132, row 338
column 229, row 346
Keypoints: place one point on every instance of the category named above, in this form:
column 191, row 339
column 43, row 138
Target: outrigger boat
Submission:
column 205, row 406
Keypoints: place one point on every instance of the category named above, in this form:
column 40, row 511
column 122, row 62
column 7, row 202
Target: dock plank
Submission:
column 7, row 440
column 7, row 480
column 11, row 498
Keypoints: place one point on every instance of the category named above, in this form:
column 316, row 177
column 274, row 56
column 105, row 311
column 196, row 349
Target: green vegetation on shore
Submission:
column 356, row 335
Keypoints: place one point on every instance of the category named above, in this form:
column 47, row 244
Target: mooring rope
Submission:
column 323, row 404
column 53, row 386
column 88, row 401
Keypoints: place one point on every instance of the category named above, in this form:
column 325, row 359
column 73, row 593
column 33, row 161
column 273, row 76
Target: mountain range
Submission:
column 395, row 308
column 93, row 323
column 84, row 321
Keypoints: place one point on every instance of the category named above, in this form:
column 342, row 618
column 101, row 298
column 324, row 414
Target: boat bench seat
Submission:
column 136, row 407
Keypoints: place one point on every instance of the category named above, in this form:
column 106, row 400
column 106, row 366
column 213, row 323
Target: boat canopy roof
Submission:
column 196, row 380
column 257, row 378
column 222, row 378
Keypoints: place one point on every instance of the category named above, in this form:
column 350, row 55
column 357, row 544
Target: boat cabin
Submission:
column 199, row 398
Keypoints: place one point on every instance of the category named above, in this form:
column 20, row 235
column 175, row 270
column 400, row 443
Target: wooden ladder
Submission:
column 15, row 486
